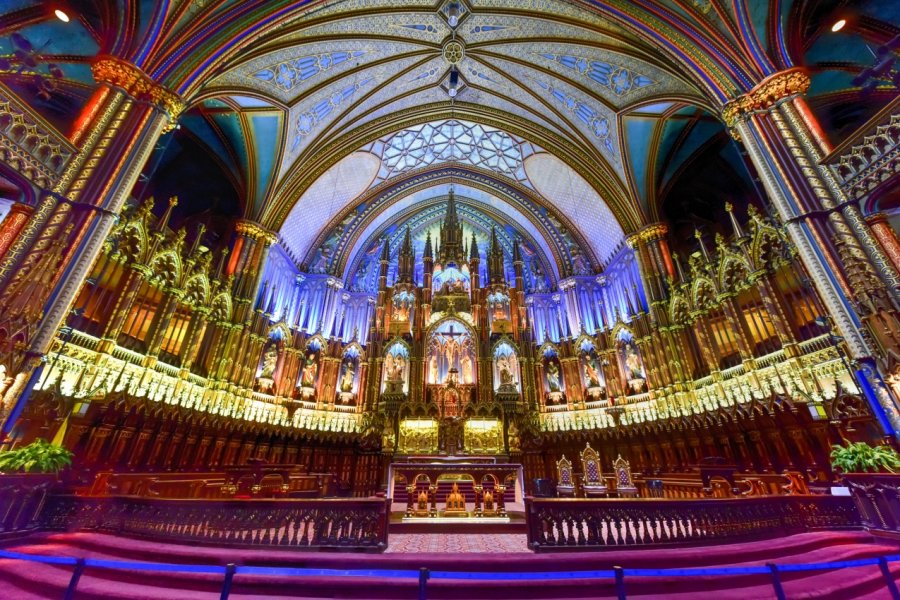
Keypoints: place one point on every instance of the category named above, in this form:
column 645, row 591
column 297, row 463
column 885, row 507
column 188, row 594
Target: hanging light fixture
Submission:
column 453, row 14
column 453, row 86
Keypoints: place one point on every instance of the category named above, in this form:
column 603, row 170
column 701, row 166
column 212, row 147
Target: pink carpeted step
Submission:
column 35, row 581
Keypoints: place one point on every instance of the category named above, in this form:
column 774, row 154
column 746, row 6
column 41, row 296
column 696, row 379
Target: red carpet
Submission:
column 26, row 581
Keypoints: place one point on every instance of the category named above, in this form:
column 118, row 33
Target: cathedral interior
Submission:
column 348, row 237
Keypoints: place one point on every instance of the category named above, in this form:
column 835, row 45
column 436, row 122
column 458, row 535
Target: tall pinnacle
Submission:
column 428, row 253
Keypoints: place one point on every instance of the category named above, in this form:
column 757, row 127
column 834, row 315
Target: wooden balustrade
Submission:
column 258, row 481
column 575, row 524
column 877, row 497
column 22, row 497
column 347, row 524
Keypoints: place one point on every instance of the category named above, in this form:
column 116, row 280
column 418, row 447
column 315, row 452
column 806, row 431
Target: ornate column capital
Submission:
column 137, row 84
column 256, row 231
column 650, row 233
column 770, row 91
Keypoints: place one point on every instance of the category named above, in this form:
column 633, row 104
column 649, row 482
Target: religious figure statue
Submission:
column 456, row 503
column 633, row 363
column 401, row 311
column 553, row 376
column 395, row 367
column 512, row 437
column 270, row 359
column 308, row 378
column 467, row 376
column 505, row 369
column 347, row 379
column 422, row 504
column 433, row 370
column 591, row 374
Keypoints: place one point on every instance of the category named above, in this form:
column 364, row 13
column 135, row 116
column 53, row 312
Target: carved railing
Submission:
column 22, row 497
column 560, row 524
column 359, row 525
column 877, row 497
column 29, row 144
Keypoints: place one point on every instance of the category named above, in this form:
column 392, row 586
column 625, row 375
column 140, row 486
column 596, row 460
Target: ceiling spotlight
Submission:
column 61, row 15
column 838, row 25
column 453, row 14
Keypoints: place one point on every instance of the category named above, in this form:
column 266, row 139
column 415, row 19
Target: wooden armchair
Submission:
column 624, row 482
column 565, row 481
column 594, row 484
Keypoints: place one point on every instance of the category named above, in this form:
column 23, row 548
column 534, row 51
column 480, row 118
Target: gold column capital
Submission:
column 255, row 231
column 767, row 93
column 650, row 233
column 137, row 84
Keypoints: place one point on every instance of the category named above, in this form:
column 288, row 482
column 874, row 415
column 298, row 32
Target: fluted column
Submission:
column 784, row 143
column 114, row 135
column 12, row 224
column 886, row 236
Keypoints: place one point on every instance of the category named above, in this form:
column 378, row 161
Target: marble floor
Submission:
column 457, row 543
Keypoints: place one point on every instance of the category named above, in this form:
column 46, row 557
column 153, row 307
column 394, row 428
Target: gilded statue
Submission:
column 270, row 360
column 347, row 379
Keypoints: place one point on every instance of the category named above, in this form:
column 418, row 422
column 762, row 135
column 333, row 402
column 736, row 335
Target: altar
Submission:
column 489, row 482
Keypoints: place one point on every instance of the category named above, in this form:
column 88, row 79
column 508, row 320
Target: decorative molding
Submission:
column 137, row 84
column 255, row 231
column 28, row 144
column 768, row 93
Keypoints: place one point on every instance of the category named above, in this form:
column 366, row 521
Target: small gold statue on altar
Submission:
column 456, row 503
column 422, row 504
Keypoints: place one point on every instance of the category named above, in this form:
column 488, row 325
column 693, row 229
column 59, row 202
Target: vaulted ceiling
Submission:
column 576, row 118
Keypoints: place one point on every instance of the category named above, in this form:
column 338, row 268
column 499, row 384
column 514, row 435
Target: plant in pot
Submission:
column 860, row 457
column 871, row 474
column 40, row 456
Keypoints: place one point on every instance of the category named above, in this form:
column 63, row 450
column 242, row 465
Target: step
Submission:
column 819, row 547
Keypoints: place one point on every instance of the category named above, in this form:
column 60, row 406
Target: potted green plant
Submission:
column 871, row 475
column 40, row 456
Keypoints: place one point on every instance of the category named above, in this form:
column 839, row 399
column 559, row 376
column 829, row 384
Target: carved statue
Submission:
column 591, row 374
column 633, row 363
column 270, row 360
column 433, row 370
column 394, row 366
column 401, row 311
column 553, row 376
column 423, row 501
column 512, row 437
column 308, row 378
column 347, row 379
column 505, row 369
column 467, row 376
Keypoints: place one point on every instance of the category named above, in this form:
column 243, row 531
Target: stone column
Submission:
column 886, row 236
column 13, row 224
column 780, row 136
column 115, row 136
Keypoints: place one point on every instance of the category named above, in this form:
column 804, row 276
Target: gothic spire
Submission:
column 429, row 253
